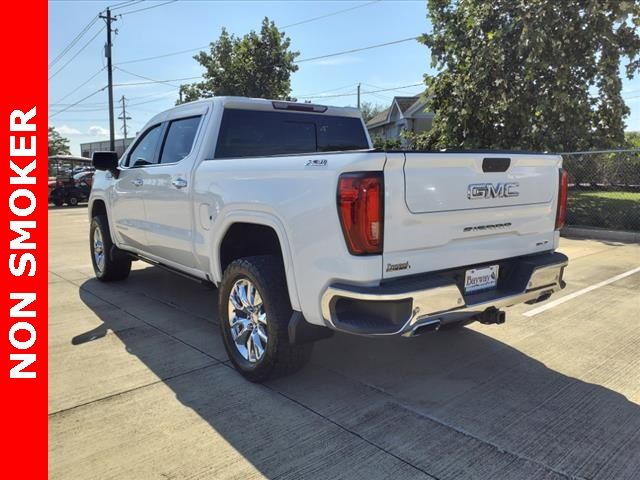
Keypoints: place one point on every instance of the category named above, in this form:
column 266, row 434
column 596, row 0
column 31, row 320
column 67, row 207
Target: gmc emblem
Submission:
column 482, row 191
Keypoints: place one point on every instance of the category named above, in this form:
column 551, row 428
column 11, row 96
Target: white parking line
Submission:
column 573, row 295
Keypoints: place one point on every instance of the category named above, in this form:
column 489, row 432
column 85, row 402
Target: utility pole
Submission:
column 358, row 96
column 107, row 53
column 123, row 116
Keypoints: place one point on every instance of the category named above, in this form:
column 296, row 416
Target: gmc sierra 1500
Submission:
column 305, row 229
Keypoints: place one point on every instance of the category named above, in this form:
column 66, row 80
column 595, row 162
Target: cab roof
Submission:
column 245, row 103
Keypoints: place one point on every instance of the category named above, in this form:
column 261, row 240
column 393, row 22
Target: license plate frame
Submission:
column 481, row 279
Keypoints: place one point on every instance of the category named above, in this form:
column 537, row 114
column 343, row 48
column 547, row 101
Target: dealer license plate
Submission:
column 481, row 278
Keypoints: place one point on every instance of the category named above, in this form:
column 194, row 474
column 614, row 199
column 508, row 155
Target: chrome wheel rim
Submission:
column 248, row 321
column 98, row 249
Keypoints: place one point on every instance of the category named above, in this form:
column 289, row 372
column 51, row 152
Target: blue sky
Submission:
column 187, row 25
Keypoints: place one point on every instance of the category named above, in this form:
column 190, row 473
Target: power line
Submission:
column 77, row 53
column 147, row 8
column 85, row 108
column 147, row 112
column 89, row 107
column 76, row 103
column 98, row 107
column 144, row 59
column 286, row 26
column 127, row 3
column 385, row 98
column 353, row 50
column 83, row 119
column 130, row 3
column 147, row 101
column 146, row 78
column 156, row 81
column 78, row 87
column 374, row 86
column 329, row 14
column 191, row 78
column 365, row 93
column 327, row 91
column 71, row 44
column 335, row 54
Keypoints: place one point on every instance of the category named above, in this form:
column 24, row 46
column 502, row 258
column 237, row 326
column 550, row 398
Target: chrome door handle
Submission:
column 137, row 182
column 179, row 183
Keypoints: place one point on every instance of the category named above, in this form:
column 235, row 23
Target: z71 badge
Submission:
column 316, row 162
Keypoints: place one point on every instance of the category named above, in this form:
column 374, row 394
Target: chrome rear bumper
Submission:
column 402, row 307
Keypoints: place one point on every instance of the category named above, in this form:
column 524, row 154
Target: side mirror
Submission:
column 106, row 161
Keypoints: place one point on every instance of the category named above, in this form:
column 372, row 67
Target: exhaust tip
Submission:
column 430, row 326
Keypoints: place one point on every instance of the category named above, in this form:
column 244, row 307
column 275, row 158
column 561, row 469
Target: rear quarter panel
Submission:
column 296, row 195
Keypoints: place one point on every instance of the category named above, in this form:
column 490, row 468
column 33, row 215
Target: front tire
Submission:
column 254, row 312
column 109, row 262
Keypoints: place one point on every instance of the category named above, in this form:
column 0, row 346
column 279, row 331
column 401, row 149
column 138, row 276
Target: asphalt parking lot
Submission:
column 140, row 386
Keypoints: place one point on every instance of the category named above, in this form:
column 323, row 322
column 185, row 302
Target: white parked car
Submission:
column 305, row 229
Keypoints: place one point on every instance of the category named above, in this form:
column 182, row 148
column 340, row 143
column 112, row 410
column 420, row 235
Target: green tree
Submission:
column 256, row 65
column 629, row 162
column 369, row 110
column 386, row 144
column 530, row 74
column 632, row 139
column 58, row 145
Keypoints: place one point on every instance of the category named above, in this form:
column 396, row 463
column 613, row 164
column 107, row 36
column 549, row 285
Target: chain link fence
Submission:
column 604, row 189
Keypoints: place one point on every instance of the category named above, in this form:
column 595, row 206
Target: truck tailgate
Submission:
column 444, row 210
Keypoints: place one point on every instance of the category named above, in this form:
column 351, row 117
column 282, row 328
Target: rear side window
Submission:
column 340, row 133
column 144, row 153
column 251, row 133
column 179, row 139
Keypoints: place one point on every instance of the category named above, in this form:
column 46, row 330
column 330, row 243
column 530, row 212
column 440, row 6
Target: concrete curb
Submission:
column 601, row 234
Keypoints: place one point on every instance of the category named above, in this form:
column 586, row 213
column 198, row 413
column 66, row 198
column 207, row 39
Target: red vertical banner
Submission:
column 24, row 173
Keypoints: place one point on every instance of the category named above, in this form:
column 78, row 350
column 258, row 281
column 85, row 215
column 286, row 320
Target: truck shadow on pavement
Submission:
column 451, row 404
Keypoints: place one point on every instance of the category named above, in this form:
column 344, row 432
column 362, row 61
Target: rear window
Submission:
column 251, row 133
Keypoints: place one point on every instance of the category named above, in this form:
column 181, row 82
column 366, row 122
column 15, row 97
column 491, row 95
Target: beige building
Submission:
column 121, row 144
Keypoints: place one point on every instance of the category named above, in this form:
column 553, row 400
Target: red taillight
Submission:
column 361, row 211
column 563, row 188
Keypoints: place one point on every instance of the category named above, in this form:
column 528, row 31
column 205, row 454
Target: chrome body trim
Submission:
column 447, row 301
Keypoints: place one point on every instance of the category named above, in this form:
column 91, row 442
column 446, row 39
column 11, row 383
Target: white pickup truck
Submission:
column 305, row 229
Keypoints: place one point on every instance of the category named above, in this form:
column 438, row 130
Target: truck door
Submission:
column 127, row 207
column 167, row 193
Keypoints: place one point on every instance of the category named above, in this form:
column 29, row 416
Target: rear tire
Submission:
column 73, row 201
column 109, row 262
column 254, row 312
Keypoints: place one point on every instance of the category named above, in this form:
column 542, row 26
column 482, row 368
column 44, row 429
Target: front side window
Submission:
column 144, row 153
column 179, row 140
column 256, row 133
